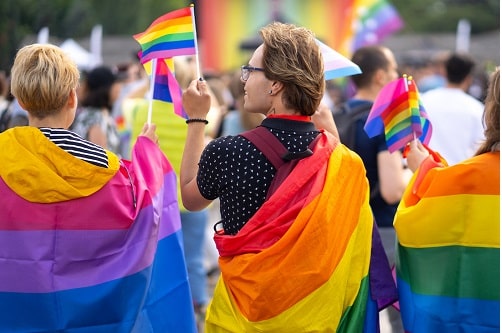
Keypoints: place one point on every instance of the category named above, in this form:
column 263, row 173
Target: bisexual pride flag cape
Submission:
column 89, row 249
column 448, row 264
column 301, row 263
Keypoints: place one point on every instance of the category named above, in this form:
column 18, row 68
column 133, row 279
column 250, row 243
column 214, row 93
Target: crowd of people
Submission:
column 306, row 233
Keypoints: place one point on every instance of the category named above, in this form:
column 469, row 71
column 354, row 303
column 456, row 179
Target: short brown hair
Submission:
column 42, row 78
column 292, row 56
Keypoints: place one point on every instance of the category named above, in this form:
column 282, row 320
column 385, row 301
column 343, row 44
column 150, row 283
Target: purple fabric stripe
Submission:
column 167, row 54
column 86, row 257
column 382, row 286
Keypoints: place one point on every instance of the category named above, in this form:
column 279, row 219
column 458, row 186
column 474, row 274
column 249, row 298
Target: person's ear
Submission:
column 72, row 99
column 380, row 77
column 276, row 87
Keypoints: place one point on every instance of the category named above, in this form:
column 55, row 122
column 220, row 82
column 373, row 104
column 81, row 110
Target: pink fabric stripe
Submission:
column 165, row 54
column 84, row 257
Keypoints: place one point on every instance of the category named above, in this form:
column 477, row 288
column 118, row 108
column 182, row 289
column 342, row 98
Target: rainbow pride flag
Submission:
column 375, row 20
column 292, row 267
column 398, row 112
column 338, row 23
column 448, row 259
column 89, row 249
column 170, row 35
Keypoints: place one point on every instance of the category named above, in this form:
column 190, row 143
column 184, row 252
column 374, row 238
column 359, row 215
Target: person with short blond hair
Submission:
column 43, row 79
column 88, row 242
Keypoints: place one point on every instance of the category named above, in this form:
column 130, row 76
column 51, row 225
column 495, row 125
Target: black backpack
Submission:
column 345, row 119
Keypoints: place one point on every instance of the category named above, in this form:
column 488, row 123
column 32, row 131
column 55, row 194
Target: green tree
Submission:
column 443, row 15
column 74, row 19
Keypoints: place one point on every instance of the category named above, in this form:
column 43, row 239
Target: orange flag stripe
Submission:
column 310, row 251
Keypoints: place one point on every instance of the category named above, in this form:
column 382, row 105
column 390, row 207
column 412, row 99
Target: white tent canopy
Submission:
column 81, row 56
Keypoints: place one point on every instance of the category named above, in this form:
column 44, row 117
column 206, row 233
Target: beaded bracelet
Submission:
column 197, row 120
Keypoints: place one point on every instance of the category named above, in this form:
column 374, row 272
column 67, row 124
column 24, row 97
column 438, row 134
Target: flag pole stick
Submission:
column 195, row 41
column 152, row 87
column 406, row 88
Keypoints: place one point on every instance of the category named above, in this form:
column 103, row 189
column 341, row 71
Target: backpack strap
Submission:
column 283, row 160
column 268, row 144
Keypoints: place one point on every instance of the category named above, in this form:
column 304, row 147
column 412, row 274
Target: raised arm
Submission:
column 196, row 101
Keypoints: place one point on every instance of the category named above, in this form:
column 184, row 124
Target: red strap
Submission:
column 268, row 144
column 275, row 152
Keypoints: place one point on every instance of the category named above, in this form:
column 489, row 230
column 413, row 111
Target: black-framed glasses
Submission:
column 246, row 71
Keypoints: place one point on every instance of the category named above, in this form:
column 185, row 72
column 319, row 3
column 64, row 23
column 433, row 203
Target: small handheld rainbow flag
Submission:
column 170, row 35
column 398, row 112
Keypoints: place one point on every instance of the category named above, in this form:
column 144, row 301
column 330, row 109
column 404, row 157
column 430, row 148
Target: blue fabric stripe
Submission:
column 142, row 302
column 439, row 314
column 169, row 46
column 371, row 324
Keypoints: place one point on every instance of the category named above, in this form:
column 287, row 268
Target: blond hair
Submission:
column 42, row 78
column 292, row 56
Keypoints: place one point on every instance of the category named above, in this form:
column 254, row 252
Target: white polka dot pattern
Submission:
column 234, row 170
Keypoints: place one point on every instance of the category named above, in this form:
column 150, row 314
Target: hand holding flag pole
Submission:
column 170, row 35
column 398, row 113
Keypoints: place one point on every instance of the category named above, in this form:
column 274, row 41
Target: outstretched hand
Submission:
column 323, row 119
column 149, row 131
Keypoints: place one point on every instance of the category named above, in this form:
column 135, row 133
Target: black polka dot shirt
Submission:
column 233, row 169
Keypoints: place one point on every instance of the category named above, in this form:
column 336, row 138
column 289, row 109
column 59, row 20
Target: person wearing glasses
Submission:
column 296, row 230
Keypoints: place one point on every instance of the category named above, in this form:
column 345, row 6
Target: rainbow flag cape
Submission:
column 170, row 35
column 448, row 259
column 292, row 268
column 89, row 249
column 398, row 112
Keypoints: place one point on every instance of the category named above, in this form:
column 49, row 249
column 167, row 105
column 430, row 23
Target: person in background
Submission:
column 385, row 171
column 455, row 116
column 294, row 255
column 94, row 121
column 448, row 228
column 12, row 114
column 433, row 73
column 237, row 120
column 130, row 76
column 88, row 242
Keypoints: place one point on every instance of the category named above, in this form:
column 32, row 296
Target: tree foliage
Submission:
column 443, row 15
column 74, row 19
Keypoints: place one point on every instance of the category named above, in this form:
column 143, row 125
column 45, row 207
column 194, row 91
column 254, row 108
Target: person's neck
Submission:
column 282, row 111
column 460, row 86
column 50, row 121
